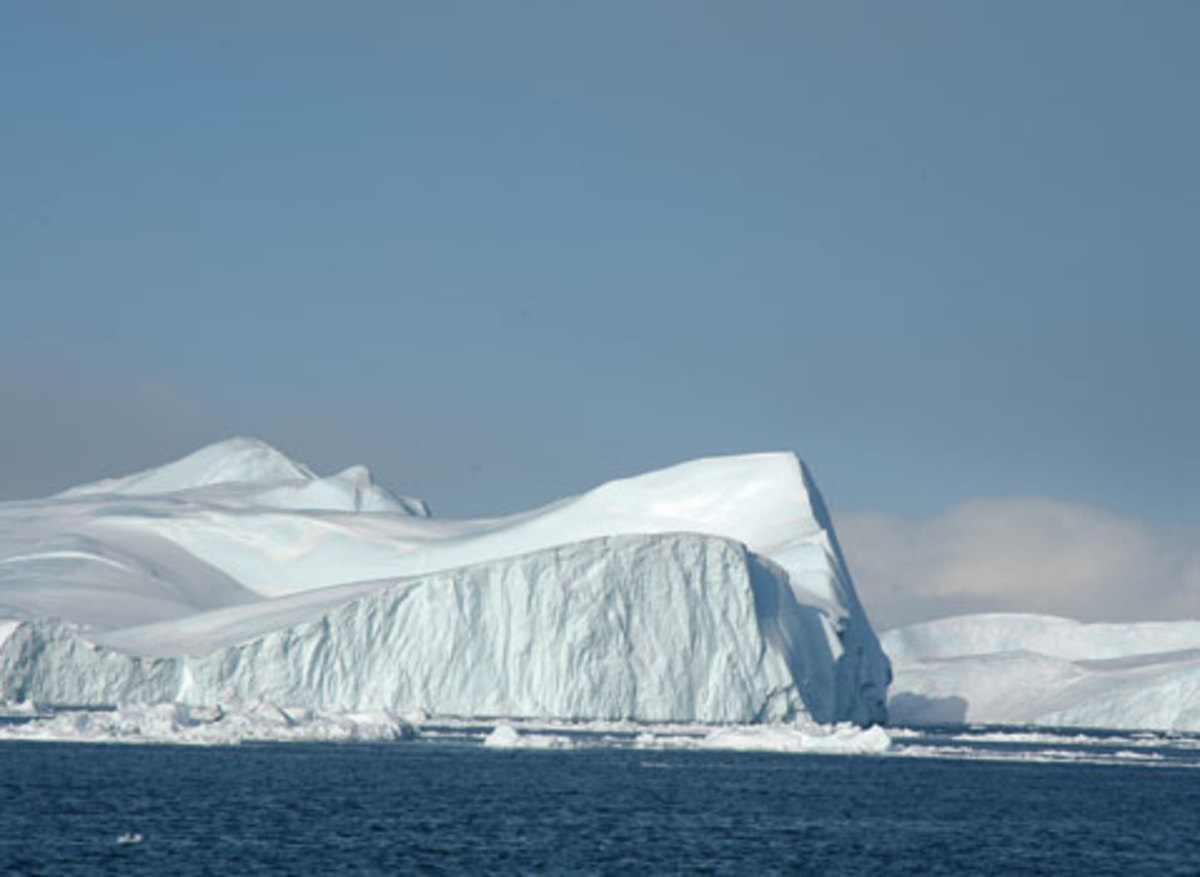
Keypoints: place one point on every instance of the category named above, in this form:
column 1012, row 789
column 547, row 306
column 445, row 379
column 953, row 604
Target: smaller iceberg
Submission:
column 1011, row 669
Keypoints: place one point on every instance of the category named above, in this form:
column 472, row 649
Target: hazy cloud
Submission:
column 1022, row 554
column 64, row 425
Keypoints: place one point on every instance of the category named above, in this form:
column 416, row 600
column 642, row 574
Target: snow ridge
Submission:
column 247, row 473
column 233, row 461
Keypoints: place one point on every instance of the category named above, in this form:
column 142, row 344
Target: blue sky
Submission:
column 503, row 252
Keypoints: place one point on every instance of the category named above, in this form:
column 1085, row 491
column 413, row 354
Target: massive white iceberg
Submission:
column 712, row 591
column 1038, row 670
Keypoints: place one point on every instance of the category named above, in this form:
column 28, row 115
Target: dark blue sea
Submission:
column 68, row 808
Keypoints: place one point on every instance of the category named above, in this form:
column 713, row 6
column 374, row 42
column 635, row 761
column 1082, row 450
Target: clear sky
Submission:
column 501, row 252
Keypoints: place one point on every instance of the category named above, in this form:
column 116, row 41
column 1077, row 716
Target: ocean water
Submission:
column 449, row 808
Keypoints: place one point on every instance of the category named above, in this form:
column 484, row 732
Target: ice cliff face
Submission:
column 713, row 591
column 649, row 627
column 1039, row 670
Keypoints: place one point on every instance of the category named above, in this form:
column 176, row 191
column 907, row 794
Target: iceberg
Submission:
column 1013, row 669
column 713, row 591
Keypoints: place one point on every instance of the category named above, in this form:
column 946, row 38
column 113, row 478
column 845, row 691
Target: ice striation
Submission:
column 1013, row 669
column 713, row 591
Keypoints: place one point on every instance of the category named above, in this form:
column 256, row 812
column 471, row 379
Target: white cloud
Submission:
column 1022, row 554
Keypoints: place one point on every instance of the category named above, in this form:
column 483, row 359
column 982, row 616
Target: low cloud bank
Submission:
column 1022, row 554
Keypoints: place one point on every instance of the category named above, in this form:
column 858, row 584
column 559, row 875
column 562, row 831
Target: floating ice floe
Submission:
column 505, row 736
column 807, row 738
column 176, row 723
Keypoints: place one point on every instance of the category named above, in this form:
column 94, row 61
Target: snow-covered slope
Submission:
column 234, row 461
column 1030, row 669
column 247, row 473
column 710, row 591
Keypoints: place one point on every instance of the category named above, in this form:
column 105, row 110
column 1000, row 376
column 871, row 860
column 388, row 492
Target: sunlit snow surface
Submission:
column 712, row 591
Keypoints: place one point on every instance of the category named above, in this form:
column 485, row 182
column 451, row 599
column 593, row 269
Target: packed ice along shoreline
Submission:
column 713, row 591
column 181, row 724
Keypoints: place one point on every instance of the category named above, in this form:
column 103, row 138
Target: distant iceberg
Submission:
column 713, row 591
column 1016, row 669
